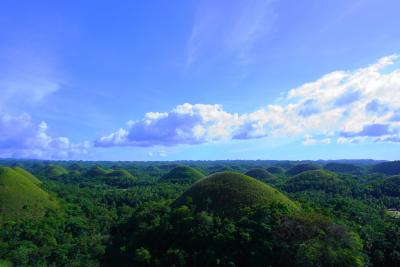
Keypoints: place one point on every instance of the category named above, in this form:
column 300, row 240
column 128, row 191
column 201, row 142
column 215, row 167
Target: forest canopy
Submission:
column 173, row 214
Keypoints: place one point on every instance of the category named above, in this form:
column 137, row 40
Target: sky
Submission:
column 200, row 80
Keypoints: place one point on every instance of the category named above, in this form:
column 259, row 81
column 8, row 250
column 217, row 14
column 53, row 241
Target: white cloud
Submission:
column 20, row 137
column 355, row 106
column 186, row 124
column 310, row 140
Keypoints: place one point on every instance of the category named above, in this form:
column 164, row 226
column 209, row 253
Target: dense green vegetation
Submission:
column 316, row 180
column 275, row 170
column 389, row 168
column 169, row 214
column 342, row 168
column 389, row 186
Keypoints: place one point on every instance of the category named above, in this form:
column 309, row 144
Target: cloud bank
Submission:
column 20, row 137
column 349, row 106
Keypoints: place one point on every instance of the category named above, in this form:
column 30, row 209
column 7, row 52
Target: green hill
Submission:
column 317, row 180
column 183, row 174
column 97, row 171
column 226, row 193
column 275, row 170
column 75, row 167
column 20, row 195
column 342, row 168
column 52, row 171
column 388, row 168
column 262, row 175
column 302, row 168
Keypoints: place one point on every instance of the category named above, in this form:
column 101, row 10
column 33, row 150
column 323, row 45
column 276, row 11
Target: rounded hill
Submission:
column 53, row 170
column 75, row 167
column 388, row 168
column 302, row 168
column 275, row 170
column 262, row 175
column 20, row 195
column 342, row 168
column 97, row 171
column 226, row 193
column 316, row 180
column 182, row 174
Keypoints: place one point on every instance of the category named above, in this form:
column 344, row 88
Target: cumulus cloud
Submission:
column 21, row 137
column 351, row 106
column 185, row 124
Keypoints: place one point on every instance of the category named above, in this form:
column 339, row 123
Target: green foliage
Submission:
column 318, row 180
column 302, row 168
column 120, row 173
column 388, row 168
column 389, row 187
column 122, row 214
column 21, row 196
column 342, row 168
column 228, row 192
column 269, row 236
column 275, row 170
column 5, row 263
column 182, row 174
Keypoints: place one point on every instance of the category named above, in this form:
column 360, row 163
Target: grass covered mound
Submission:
column 53, row 170
column 27, row 174
column 316, row 180
column 97, row 171
column 262, row 175
column 302, row 168
column 226, row 193
column 183, row 174
column 276, row 170
column 20, row 195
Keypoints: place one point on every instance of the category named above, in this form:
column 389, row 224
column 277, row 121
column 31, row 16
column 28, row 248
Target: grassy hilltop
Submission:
column 182, row 174
column 227, row 192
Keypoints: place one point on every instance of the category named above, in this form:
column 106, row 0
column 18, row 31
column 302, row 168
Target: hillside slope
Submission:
column 20, row 195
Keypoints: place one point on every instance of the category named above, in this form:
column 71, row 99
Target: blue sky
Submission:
column 133, row 80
